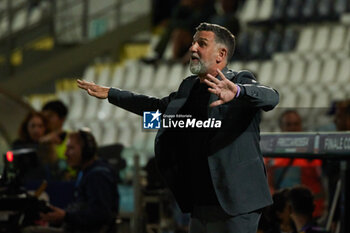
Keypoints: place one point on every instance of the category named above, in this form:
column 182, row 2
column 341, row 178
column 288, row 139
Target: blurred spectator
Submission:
column 226, row 16
column 96, row 199
column 183, row 21
column 56, row 113
column 302, row 206
column 285, row 172
column 290, row 121
column 31, row 130
column 277, row 216
column 331, row 168
column 161, row 11
column 342, row 115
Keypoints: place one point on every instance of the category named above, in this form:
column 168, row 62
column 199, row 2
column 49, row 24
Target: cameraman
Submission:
column 95, row 203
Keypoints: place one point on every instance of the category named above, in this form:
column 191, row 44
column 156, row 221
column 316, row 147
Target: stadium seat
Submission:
column 175, row 76
column 249, row 11
column 146, row 77
column 340, row 7
column 289, row 40
column 329, row 71
column 139, row 142
column 312, row 74
column 280, row 75
column 337, row 38
column 34, row 16
column 265, row 75
column 65, row 97
column 131, row 75
column 273, row 43
column 288, row 98
column 104, row 75
column 252, row 66
column 90, row 74
column 4, row 23
column 161, row 75
column 125, row 133
column 118, row 113
column 306, row 39
column 325, row 9
column 320, row 96
column 105, row 110
column 265, row 10
column 279, row 10
column 78, row 104
column 297, row 72
column 336, row 92
column 293, row 10
column 236, row 66
column 91, row 107
column 344, row 72
column 257, row 45
column 118, row 75
column 321, row 39
column 110, row 133
column 308, row 11
column 243, row 46
column 97, row 129
column 19, row 20
column 186, row 71
column 304, row 97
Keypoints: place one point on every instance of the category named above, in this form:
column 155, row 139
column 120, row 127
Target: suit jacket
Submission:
column 235, row 161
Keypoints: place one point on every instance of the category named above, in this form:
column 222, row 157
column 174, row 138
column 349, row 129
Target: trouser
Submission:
column 213, row 219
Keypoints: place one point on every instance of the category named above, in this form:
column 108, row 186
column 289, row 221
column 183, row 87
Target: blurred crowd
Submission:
column 177, row 19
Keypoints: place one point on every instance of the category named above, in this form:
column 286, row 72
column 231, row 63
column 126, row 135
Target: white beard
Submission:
column 197, row 68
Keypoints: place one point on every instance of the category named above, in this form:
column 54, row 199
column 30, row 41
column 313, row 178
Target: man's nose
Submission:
column 193, row 47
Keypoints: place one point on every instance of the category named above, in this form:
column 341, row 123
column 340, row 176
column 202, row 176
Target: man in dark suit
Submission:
column 215, row 173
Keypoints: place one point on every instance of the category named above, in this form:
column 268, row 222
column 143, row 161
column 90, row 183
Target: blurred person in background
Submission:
column 302, row 206
column 286, row 172
column 96, row 199
column 184, row 18
column 55, row 113
column 331, row 168
column 277, row 216
column 32, row 129
column 226, row 15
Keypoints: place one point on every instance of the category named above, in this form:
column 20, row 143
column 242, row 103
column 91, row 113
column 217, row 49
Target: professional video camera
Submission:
column 17, row 207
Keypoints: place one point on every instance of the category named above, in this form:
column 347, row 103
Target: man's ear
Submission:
column 221, row 55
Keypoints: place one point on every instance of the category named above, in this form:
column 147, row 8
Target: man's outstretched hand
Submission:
column 224, row 88
column 93, row 89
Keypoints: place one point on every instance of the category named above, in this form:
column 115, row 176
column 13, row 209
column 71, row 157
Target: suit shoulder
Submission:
column 245, row 76
column 190, row 77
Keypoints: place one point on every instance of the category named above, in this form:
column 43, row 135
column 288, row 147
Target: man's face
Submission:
column 291, row 122
column 204, row 52
column 54, row 122
column 73, row 152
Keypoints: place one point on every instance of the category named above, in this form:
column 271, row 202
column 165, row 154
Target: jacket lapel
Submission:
column 176, row 104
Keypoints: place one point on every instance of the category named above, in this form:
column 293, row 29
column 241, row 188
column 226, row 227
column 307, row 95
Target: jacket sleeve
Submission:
column 254, row 94
column 137, row 103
